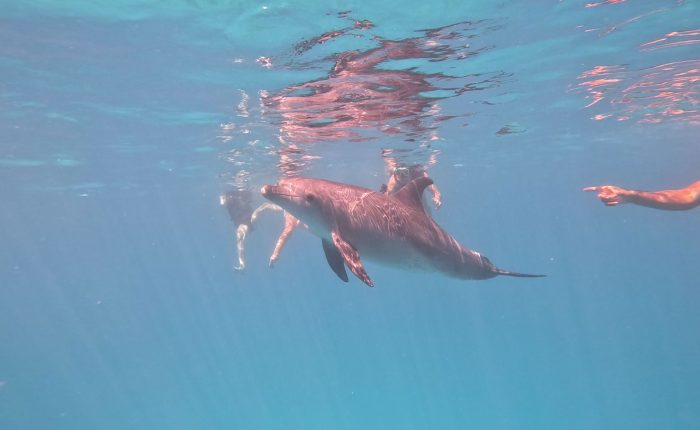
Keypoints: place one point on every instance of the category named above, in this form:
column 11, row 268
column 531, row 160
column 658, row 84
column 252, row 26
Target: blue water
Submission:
column 121, row 123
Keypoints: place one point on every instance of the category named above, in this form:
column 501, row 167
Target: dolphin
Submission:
column 391, row 229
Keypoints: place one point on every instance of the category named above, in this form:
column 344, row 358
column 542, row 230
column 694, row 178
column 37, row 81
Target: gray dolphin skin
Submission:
column 392, row 229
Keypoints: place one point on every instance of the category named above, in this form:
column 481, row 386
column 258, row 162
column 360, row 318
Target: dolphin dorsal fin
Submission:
column 411, row 193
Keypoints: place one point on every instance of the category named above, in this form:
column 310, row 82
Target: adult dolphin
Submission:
column 392, row 229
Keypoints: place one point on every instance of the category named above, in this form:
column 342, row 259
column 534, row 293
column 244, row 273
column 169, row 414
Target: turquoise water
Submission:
column 122, row 122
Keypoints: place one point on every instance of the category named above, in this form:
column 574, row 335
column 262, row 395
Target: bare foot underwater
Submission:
column 393, row 229
column 673, row 200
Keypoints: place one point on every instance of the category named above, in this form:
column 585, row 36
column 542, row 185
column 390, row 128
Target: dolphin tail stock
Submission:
column 517, row 274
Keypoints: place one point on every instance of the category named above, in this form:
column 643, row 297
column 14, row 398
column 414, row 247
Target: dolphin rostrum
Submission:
column 392, row 229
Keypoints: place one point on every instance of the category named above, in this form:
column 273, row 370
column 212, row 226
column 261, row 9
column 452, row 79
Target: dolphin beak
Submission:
column 277, row 192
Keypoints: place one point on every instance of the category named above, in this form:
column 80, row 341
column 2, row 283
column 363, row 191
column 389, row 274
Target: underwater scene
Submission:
column 220, row 214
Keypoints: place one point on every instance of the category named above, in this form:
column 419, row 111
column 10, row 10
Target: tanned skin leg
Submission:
column 262, row 208
column 290, row 223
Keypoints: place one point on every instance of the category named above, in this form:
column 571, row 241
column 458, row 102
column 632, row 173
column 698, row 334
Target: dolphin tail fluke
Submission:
column 517, row 274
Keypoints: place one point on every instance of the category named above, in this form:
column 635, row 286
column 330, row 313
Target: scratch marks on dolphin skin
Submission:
column 357, row 202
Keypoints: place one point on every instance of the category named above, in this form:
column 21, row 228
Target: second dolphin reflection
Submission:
column 391, row 229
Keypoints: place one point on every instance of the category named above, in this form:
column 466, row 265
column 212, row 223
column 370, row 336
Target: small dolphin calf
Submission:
column 392, row 229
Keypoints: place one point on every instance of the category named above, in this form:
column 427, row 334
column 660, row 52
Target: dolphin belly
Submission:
column 395, row 252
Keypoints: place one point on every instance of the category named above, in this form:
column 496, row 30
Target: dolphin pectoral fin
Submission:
column 335, row 260
column 351, row 258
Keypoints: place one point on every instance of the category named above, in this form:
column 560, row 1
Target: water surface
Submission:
column 121, row 123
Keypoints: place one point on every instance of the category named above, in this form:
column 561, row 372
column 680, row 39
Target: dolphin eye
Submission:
column 310, row 198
